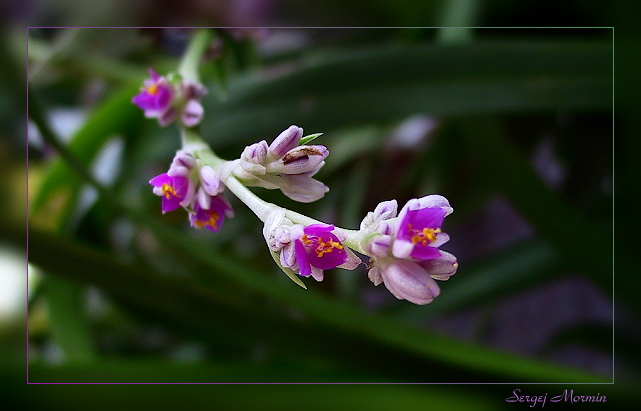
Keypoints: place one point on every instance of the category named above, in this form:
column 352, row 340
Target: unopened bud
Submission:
column 285, row 141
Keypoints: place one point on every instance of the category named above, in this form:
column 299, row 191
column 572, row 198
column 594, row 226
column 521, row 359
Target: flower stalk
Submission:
column 197, row 47
column 403, row 246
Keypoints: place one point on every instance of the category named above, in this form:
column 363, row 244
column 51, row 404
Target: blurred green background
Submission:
column 514, row 126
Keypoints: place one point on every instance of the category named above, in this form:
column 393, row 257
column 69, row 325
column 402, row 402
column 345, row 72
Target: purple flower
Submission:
column 174, row 190
column 155, row 96
column 167, row 100
column 309, row 250
column 418, row 229
column 195, row 187
column 211, row 219
column 404, row 249
column 318, row 247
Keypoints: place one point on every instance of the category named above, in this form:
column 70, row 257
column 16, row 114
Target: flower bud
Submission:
column 183, row 159
column 255, row 153
column 166, row 117
column 209, row 181
column 191, row 90
column 300, row 160
column 408, row 281
column 379, row 246
column 203, row 199
column 288, row 256
column 285, row 141
column 383, row 211
column 192, row 113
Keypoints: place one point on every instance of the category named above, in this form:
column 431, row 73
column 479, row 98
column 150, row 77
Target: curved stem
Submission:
column 260, row 207
column 197, row 46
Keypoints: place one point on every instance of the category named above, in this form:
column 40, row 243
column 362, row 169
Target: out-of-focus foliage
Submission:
column 507, row 123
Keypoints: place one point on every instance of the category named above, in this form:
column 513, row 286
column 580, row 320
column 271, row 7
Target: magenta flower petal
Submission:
column 421, row 252
column 155, row 97
column 416, row 220
column 161, row 179
column 301, row 259
column 211, row 219
column 318, row 229
column 418, row 233
column 171, row 189
column 323, row 248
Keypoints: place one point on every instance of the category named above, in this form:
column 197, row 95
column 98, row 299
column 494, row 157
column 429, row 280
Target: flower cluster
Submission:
column 404, row 248
column 284, row 164
column 170, row 99
column 195, row 187
column 308, row 250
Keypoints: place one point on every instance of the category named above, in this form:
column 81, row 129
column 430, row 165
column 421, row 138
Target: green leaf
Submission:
column 69, row 322
column 308, row 139
column 355, row 87
column 112, row 117
column 359, row 331
column 288, row 272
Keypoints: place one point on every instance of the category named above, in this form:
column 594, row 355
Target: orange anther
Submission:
column 168, row 191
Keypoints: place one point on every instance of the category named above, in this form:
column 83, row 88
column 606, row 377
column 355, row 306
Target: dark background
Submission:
column 527, row 166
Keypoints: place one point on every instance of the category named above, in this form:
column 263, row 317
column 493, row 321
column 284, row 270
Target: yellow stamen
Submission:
column 153, row 89
column 306, row 239
column 426, row 236
column 213, row 221
column 322, row 247
column 168, row 191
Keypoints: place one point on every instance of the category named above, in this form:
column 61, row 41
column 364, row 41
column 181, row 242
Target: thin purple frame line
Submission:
column 27, row 208
column 27, row 236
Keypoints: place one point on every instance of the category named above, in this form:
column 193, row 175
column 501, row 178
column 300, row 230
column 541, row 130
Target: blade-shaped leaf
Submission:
column 308, row 139
column 288, row 272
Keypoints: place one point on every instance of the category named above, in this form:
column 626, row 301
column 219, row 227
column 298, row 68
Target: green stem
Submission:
column 456, row 19
column 192, row 142
column 37, row 114
column 260, row 207
column 195, row 50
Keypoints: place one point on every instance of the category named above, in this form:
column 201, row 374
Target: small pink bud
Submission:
column 285, row 141
column 255, row 153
